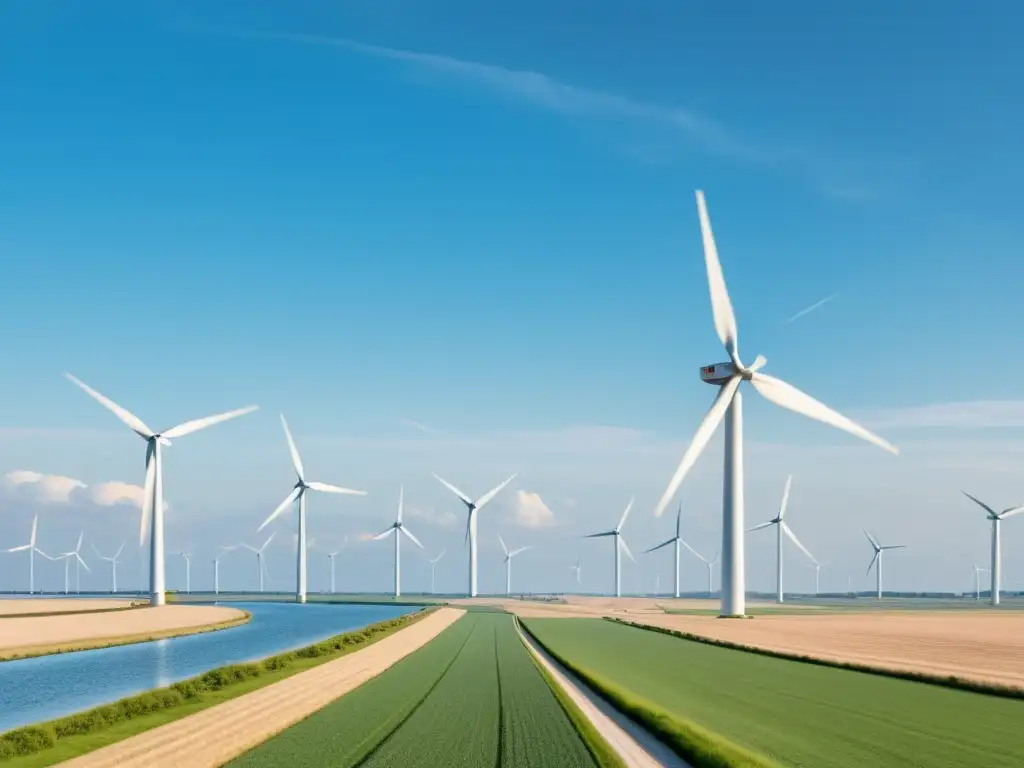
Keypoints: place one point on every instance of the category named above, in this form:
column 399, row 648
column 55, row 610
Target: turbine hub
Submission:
column 718, row 373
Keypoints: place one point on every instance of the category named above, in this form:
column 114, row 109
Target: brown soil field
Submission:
column 38, row 635
column 216, row 735
column 986, row 646
column 20, row 606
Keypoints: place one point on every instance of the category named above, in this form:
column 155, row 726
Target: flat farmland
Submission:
column 798, row 714
column 471, row 697
column 985, row 646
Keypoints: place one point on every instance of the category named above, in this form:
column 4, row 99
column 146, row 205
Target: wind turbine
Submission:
column 616, row 532
column 216, row 567
column 259, row 556
column 997, row 558
column 473, row 507
column 783, row 527
column 677, row 540
column 188, row 572
column 153, row 494
column 113, row 565
column 31, row 548
column 398, row 528
column 977, row 581
column 508, row 563
column 434, row 563
column 728, row 405
column 817, row 574
column 879, row 551
column 299, row 493
column 331, row 556
column 577, row 569
column 79, row 563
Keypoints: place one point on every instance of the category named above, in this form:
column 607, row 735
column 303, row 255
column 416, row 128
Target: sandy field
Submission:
column 9, row 607
column 983, row 646
column 589, row 607
column 36, row 635
column 216, row 735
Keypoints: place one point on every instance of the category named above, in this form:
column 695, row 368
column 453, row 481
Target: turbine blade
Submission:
column 401, row 501
column 700, row 440
column 894, row 546
column 22, row 548
column 250, row 548
column 787, row 396
column 694, row 551
column 35, row 529
column 872, row 539
column 795, row 540
column 325, row 488
column 502, row 542
column 46, row 555
column 622, row 543
column 515, row 552
column 296, row 460
column 598, row 535
column 148, row 491
column 288, row 501
column 408, row 533
column 981, row 504
column 469, row 524
column 872, row 563
column 479, row 503
column 78, row 546
column 207, row 421
column 625, row 514
column 382, row 534
column 762, row 525
column 267, row 542
column 119, row 549
column 82, row 562
column 679, row 522
column 721, row 307
column 1010, row 512
column 785, row 497
column 465, row 499
column 134, row 422
column 663, row 544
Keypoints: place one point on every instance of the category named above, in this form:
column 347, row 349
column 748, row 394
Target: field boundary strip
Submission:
column 81, row 733
column 695, row 744
column 943, row 681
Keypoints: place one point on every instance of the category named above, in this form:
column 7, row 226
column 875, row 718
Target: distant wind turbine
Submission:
column 153, row 493
column 31, row 548
column 188, row 572
column 879, row 551
column 977, row 581
column 398, row 528
column 113, row 565
column 79, row 563
column 259, row 556
column 473, row 508
column 216, row 566
column 620, row 543
column 433, row 564
column 331, row 556
column 817, row 574
column 728, row 405
column 577, row 569
column 299, row 493
column 508, row 563
column 677, row 540
column 997, row 558
column 782, row 527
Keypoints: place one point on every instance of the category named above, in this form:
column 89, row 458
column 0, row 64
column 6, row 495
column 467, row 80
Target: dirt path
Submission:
column 39, row 635
column 23, row 606
column 216, row 735
column 637, row 747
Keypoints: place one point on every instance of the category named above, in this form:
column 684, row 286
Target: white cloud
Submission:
column 46, row 489
column 532, row 512
column 432, row 516
column 971, row 414
column 116, row 492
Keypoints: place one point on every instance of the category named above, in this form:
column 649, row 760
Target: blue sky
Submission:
column 481, row 220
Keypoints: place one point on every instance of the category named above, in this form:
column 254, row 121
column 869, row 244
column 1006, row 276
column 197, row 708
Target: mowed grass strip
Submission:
column 464, row 700
column 797, row 714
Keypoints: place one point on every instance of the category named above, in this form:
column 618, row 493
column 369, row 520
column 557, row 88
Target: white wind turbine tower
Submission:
column 113, row 565
column 153, row 495
column 473, row 507
column 977, row 581
column 398, row 528
column 620, row 543
column 331, row 556
column 997, row 558
column 508, row 563
column 79, row 563
column 433, row 564
column 879, row 551
column 783, row 527
column 259, row 556
column 677, row 540
column 31, row 548
column 188, row 572
column 728, row 405
column 299, row 493
column 216, row 567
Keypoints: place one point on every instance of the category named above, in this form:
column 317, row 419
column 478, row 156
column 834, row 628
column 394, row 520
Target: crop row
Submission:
column 471, row 697
column 710, row 702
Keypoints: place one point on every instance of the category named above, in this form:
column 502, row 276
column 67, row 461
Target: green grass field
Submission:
column 470, row 698
column 798, row 714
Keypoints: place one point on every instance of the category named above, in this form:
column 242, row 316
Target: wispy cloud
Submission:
column 46, row 489
column 971, row 414
column 807, row 310
column 117, row 492
column 418, row 426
